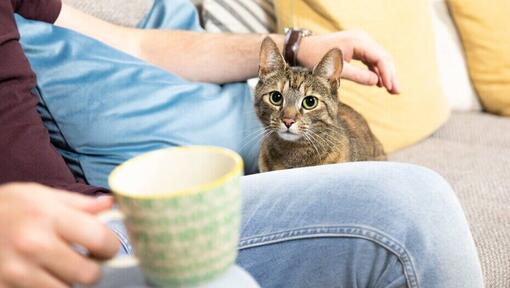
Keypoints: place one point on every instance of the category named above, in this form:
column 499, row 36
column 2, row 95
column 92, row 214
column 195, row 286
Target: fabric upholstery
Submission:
column 451, row 61
column 472, row 151
column 125, row 13
column 238, row 16
column 485, row 31
column 420, row 109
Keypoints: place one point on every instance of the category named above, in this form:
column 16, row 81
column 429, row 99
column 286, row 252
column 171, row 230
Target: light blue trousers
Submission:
column 364, row 224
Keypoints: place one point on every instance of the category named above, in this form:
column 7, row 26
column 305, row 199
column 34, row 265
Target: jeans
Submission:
column 363, row 224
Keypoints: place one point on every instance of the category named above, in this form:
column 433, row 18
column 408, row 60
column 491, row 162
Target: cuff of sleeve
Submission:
column 42, row 10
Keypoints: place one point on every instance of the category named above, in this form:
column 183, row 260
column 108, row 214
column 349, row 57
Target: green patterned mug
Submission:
column 181, row 207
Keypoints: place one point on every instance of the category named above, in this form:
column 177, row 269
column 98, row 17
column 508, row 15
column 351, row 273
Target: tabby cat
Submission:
column 305, row 124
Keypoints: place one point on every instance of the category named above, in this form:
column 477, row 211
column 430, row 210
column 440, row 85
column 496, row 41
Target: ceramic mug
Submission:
column 182, row 209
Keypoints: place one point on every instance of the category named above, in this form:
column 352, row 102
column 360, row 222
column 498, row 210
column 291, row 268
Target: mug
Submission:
column 182, row 209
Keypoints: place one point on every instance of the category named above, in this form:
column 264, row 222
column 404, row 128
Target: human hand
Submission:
column 38, row 225
column 355, row 45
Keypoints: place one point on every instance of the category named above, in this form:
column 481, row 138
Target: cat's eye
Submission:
column 276, row 98
column 310, row 102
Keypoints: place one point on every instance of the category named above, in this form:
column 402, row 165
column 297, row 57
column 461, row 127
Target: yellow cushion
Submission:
column 405, row 29
column 484, row 27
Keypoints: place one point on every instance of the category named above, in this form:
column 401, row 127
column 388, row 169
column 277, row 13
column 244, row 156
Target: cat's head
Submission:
column 295, row 102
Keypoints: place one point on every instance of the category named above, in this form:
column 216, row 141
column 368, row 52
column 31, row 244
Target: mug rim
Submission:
column 235, row 171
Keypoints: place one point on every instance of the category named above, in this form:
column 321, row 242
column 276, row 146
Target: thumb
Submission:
column 85, row 203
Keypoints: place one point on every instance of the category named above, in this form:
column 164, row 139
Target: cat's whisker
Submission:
column 252, row 133
column 253, row 137
column 319, row 142
column 308, row 138
column 326, row 138
column 338, row 130
column 265, row 134
column 322, row 140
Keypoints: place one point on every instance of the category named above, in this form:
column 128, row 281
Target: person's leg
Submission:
column 364, row 224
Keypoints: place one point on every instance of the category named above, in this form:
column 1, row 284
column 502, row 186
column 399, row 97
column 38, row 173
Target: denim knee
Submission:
column 409, row 210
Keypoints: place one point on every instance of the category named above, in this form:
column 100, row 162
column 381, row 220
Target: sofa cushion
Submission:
column 126, row 13
column 238, row 16
column 485, row 31
column 420, row 109
column 472, row 151
column 450, row 59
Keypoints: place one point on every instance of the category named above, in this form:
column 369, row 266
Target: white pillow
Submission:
column 238, row 16
column 452, row 65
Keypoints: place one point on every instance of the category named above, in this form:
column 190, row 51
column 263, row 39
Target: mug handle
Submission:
column 122, row 261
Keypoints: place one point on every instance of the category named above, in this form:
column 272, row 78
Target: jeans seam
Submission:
column 351, row 231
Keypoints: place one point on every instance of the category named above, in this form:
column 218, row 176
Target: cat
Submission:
column 305, row 123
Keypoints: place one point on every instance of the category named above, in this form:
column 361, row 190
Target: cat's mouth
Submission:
column 289, row 135
column 292, row 133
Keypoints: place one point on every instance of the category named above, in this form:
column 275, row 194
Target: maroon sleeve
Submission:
column 26, row 153
column 42, row 10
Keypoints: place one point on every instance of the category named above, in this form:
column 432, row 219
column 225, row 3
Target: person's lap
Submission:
column 364, row 224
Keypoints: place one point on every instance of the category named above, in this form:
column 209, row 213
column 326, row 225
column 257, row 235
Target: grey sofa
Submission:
column 472, row 151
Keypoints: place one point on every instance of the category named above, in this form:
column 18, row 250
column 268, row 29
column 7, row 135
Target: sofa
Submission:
column 471, row 150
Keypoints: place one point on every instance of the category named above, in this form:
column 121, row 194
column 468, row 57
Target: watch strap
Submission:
column 292, row 42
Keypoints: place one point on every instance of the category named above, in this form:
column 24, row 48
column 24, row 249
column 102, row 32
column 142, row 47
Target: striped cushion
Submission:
column 239, row 16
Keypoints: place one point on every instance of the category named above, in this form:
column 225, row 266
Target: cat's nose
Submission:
column 288, row 122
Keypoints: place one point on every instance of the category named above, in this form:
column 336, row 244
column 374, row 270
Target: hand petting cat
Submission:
column 356, row 45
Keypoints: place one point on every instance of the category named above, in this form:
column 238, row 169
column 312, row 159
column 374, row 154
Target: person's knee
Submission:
column 390, row 192
column 409, row 209
column 409, row 189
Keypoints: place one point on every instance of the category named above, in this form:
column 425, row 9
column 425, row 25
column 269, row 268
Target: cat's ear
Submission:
column 270, row 58
column 331, row 67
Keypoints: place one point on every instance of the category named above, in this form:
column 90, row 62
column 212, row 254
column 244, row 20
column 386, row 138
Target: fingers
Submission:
column 68, row 265
column 49, row 252
column 396, row 82
column 373, row 55
column 82, row 229
column 359, row 75
column 74, row 200
column 376, row 71
column 18, row 273
column 85, row 203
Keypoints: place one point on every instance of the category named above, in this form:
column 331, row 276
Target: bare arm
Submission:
column 205, row 57
column 223, row 58
column 228, row 57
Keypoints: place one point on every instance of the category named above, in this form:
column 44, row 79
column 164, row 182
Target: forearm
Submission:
column 204, row 57
column 121, row 38
column 228, row 57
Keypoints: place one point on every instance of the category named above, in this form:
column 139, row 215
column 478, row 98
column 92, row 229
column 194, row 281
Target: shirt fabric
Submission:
column 26, row 153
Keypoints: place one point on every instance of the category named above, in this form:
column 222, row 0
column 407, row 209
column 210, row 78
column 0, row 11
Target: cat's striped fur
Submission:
column 331, row 132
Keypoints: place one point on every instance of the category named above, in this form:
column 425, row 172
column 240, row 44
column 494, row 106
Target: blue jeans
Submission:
column 363, row 224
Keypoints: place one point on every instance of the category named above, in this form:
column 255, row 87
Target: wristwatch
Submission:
column 292, row 42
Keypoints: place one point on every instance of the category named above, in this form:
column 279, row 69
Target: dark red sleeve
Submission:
column 26, row 153
column 42, row 10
